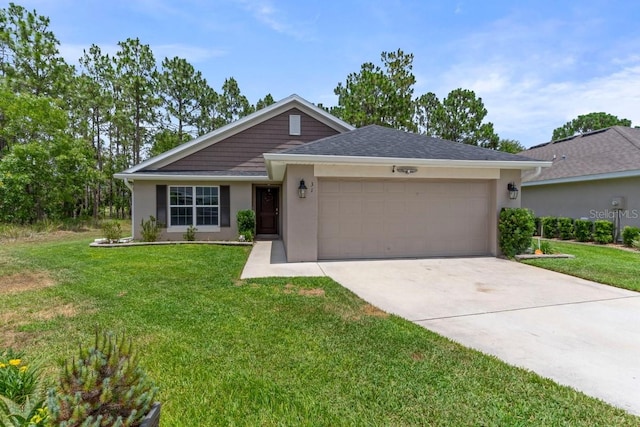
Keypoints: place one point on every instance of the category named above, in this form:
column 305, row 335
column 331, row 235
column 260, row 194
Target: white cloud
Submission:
column 277, row 20
column 529, row 111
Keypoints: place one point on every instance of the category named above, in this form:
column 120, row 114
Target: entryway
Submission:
column 267, row 210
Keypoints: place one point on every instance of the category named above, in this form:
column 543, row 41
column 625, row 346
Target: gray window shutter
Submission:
column 161, row 204
column 225, row 206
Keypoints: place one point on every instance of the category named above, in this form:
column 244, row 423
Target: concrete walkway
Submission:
column 576, row 332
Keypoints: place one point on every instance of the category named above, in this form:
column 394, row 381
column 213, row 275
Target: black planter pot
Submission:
column 153, row 416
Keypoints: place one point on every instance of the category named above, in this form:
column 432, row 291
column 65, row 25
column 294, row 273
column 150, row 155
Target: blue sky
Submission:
column 535, row 64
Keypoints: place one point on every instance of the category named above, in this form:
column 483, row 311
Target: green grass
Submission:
column 601, row 264
column 301, row 351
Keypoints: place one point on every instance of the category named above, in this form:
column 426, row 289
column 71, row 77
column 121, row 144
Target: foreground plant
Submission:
column 104, row 386
column 21, row 396
column 31, row 413
column 18, row 380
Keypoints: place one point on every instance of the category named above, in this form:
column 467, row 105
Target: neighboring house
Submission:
column 371, row 192
column 595, row 175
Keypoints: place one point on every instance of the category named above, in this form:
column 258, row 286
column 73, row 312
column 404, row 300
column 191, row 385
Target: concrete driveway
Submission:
column 578, row 333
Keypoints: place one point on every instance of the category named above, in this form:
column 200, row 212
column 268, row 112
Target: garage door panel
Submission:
column 409, row 218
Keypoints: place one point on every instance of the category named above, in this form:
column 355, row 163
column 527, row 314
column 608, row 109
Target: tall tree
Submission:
column 460, row 118
column 512, row 146
column 232, row 104
column 426, row 107
column 135, row 69
column 587, row 123
column 179, row 86
column 208, row 119
column 264, row 102
column 379, row 95
column 29, row 57
column 44, row 171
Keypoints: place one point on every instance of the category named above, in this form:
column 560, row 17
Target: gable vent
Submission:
column 294, row 124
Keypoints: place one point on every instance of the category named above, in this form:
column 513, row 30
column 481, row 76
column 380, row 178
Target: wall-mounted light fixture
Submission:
column 302, row 189
column 404, row 169
column 513, row 191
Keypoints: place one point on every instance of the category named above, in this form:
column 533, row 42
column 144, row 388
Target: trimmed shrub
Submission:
column 629, row 234
column 582, row 230
column 565, row 228
column 190, row 234
column 549, row 227
column 150, row 229
column 603, row 231
column 516, row 226
column 246, row 221
column 112, row 231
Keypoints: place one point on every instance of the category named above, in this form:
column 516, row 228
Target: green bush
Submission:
column 549, row 226
column 582, row 230
column 102, row 386
column 150, row 229
column 603, row 231
column 516, row 226
column 636, row 243
column 246, row 221
column 246, row 236
column 112, row 231
column 629, row 234
column 565, row 228
column 538, row 223
column 190, row 234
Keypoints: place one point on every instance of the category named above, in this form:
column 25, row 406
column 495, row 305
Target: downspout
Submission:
column 128, row 184
column 130, row 187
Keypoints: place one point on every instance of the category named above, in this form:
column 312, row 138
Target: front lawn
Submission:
column 601, row 264
column 301, row 351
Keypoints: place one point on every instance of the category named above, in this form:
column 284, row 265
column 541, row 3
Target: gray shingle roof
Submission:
column 379, row 141
column 609, row 150
column 207, row 173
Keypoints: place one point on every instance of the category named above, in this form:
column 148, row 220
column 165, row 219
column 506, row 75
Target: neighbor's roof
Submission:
column 612, row 152
column 377, row 145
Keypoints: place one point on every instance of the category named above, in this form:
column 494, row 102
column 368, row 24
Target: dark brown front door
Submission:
column 267, row 210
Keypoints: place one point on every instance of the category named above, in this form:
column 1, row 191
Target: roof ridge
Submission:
column 622, row 130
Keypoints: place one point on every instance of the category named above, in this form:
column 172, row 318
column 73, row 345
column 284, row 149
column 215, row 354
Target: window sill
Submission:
column 199, row 229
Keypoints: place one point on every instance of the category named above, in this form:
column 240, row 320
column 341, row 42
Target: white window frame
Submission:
column 194, row 206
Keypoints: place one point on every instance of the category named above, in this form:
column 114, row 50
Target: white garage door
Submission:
column 402, row 218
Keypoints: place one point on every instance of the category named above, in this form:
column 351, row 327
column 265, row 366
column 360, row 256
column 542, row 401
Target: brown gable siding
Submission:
column 243, row 151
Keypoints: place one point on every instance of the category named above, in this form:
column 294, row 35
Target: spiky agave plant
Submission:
column 103, row 386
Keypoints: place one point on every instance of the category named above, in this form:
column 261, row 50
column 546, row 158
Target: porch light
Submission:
column 302, row 189
column 513, row 191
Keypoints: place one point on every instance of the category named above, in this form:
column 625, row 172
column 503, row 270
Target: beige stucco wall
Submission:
column 144, row 205
column 300, row 216
column 500, row 199
column 590, row 199
column 300, row 222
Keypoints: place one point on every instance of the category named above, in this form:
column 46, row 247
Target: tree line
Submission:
column 66, row 129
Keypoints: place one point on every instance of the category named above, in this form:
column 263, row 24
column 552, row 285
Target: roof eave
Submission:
column 584, row 178
column 276, row 162
column 131, row 177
